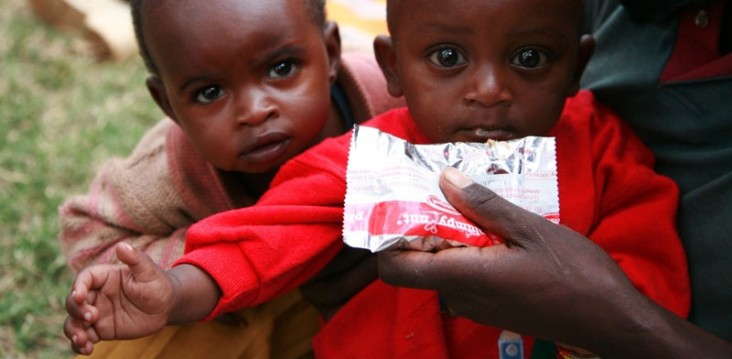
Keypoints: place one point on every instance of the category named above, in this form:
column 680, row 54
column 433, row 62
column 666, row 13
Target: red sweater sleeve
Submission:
column 634, row 216
column 258, row 252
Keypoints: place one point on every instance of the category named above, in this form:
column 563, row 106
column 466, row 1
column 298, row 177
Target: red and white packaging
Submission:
column 393, row 197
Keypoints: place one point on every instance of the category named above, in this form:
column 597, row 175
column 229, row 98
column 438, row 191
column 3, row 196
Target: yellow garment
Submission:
column 366, row 16
column 359, row 22
column 285, row 326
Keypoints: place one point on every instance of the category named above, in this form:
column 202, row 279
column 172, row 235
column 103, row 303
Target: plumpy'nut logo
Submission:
column 440, row 205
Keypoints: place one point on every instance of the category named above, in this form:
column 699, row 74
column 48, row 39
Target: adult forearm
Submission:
column 195, row 294
column 579, row 295
column 657, row 333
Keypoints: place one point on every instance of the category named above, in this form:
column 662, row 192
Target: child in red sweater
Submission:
column 470, row 71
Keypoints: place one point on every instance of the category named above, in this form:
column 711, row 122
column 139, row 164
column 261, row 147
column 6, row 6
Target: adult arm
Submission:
column 547, row 281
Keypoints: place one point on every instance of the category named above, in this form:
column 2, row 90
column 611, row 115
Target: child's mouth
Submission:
column 496, row 134
column 268, row 151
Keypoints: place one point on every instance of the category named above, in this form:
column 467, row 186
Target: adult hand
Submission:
column 118, row 301
column 546, row 281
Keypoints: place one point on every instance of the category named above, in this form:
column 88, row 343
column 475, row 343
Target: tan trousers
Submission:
column 280, row 329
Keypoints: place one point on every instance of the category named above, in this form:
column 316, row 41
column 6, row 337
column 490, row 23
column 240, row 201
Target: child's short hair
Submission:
column 316, row 10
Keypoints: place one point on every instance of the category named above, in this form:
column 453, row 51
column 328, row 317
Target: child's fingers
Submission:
column 84, row 349
column 92, row 335
column 78, row 309
column 80, row 303
column 81, row 332
column 79, row 290
column 87, row 349
column 88, row 281
column 141, row 265
column 76, row 332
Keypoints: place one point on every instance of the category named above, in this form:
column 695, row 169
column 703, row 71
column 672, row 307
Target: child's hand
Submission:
column 347, row 274
column 124, row 301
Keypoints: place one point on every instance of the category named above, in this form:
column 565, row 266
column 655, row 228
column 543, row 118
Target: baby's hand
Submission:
column 125, row 301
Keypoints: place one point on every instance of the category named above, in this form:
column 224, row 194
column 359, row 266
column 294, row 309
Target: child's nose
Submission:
column 254, row 108
column 488, row 87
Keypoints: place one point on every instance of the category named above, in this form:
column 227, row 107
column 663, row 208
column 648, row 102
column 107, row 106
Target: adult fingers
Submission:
column 492, row 213
column 434, row 270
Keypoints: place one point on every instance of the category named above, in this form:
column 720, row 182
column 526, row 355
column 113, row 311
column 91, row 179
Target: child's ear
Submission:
column 332, row 38
column 158, row 93
column 386, row 57
column 584, row 53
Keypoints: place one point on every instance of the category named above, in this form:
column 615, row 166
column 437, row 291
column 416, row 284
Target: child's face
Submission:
column 472, row 70
column 247, row 80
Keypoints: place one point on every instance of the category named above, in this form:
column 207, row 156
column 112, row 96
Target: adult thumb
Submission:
column 489, row 211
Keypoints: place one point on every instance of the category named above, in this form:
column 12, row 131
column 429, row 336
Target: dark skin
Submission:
column 278, row 81
column 114, row 302
column 249, row 96
column 247, row 103
column 594, row 305
column 482, row 89
column 140, row 271
column 349, row 272
column 467, row 79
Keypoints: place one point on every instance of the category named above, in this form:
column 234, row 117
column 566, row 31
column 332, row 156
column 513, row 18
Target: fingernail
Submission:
column 127, row 246
column 87, row 316
column 74, row 339
column 457, row 178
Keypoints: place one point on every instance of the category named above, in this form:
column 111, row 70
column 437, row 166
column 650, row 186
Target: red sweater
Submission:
column 607, row 189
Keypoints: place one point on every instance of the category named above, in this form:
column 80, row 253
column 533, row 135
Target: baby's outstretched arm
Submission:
column 134, row 299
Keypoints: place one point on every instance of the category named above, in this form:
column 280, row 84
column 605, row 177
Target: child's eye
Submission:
column 209, row 94
column 282, row 69
column 530, row 59
column 447, row 57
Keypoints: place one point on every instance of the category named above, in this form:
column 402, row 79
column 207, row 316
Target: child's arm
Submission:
column 262, row 251
column 134, row 299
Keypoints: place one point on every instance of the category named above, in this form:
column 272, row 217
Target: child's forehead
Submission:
column 290, row 12
column 403, row 13
column 211, row 33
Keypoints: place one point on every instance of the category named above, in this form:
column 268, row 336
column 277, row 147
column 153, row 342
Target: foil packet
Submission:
column 393, row 197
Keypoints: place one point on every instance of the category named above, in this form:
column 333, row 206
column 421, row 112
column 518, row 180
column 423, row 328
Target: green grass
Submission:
column 62, row 115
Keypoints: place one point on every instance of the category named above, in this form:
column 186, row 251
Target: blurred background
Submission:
column 72, row 95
